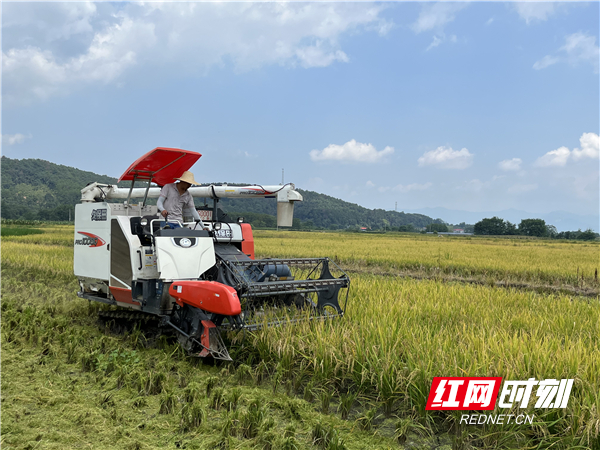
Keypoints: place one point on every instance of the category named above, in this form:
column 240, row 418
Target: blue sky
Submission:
column 468, row 106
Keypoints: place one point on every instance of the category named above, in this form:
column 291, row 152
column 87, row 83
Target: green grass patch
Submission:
column 19, row 231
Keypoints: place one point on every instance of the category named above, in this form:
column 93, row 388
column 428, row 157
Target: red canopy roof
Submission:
column 161, row 165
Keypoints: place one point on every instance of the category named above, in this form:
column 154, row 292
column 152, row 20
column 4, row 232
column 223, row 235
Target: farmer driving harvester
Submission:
column 174, row 197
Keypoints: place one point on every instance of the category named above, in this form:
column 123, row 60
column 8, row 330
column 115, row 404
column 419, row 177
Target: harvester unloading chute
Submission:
column 196, row 281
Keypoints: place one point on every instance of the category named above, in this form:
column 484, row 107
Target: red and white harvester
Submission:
column 197, row 280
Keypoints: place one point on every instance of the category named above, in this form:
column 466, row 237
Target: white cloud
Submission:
column 412, row 187
column 446, row 158
column 440, row 38
column 370, row 184
column 554, row 158
column 436, row 41
column 248, row 155
column 314, row 56
column 435, row 16
column 183, row 37
column 34, row 73
column 351, row 151
column 590, row 148
column 25, row 23
column 535, row 11
column 546, row 61
column 12, row 139
column 510, row 164
column 384, row 27
column 579, row 48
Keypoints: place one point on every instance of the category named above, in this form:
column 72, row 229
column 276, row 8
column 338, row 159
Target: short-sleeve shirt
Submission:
column 175, row 203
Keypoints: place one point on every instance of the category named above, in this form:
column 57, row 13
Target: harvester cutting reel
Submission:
column 278, row 291
column 253, row 294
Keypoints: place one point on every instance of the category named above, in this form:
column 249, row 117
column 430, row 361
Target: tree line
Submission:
column 34, row 189
column 496, row 226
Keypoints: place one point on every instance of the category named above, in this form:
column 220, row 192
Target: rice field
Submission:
column 498, row 259
column 366, row 376
column 399, row 334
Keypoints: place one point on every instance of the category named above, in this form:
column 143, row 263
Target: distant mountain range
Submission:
column 37, row 189
column 562, row 220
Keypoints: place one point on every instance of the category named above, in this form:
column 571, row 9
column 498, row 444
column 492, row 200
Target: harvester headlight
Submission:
column 144, row 222
column 217, row 226
column 240, row 220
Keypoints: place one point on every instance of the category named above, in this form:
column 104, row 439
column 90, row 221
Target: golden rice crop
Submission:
column 455, row 329
column 52, row 235
column 52, row 260
column 400, row 333
column 551, row 262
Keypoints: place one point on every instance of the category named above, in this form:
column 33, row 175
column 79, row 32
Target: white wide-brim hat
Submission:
column 187, row 177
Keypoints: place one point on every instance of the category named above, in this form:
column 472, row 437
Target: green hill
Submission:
column 34, row 189
column 38, row 189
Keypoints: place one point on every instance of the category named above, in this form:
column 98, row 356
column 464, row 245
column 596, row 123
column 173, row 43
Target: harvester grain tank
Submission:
column 199, row 279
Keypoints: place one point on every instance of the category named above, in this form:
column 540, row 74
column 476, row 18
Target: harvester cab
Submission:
column 196, row 279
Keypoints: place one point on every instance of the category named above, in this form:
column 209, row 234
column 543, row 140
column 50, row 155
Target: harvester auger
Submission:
column 196, row 280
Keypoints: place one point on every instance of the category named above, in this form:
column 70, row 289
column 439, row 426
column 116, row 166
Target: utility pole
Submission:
column 396, row 208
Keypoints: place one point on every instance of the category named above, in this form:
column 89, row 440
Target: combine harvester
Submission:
column 196, row 280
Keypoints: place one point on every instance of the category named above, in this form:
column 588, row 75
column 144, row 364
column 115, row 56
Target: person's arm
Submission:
column 195, row 214
column 160, row 204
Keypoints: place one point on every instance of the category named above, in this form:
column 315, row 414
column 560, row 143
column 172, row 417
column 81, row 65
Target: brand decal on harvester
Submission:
column 89, row 239
column 481, row 393
column 99, row 215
